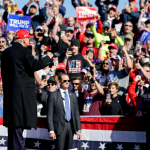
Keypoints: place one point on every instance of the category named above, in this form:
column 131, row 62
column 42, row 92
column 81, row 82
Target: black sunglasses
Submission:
column 2, row 41
column 105, row 63
column 51, row 84
column 90, row 36
column 75, row 83
column 39, row 30
column 60, row 70
column 66, row 81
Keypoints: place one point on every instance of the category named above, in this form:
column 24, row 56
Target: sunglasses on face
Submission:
column 2, row 41
column 90, row 36
column 51, row 84
column 60, row 70
column 39, row 30
column 127, row 25
column 66, row 81
column 105, row 63
column 75, row 83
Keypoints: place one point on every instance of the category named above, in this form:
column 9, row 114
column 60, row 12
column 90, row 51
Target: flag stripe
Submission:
column 103, row 123
column 113, row 136
column 88, row 135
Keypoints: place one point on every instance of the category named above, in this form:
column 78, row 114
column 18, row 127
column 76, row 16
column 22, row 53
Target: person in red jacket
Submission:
column 133, row 89
column 89, row 45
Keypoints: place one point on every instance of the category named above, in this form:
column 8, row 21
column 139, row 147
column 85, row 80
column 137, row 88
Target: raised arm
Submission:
column 129, row 62
column 99, row 88
column 54, row 31
column 139, row 21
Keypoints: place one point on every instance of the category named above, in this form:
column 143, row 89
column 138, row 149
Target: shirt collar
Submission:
column 62, row 91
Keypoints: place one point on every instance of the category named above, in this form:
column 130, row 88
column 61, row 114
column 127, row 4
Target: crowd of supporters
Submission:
column 108, row 65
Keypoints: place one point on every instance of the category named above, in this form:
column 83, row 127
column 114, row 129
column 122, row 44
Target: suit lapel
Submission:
column 60, row 98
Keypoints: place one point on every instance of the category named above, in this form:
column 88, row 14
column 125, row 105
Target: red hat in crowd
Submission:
column 113, row 45
column 22, row 34
column 114, row 7
column 20, row 11
column 133, row 0
column 61, row 66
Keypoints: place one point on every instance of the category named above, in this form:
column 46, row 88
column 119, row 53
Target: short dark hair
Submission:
column 63, row 74
column 75, row 78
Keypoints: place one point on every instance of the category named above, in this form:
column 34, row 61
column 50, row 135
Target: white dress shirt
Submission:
column 63, row 96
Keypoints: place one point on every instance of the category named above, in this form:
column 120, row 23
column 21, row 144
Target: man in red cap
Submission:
column 36, row 20
column 17, row 68
column 19, row 12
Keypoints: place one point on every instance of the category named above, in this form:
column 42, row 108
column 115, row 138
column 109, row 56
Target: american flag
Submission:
column 98, row 133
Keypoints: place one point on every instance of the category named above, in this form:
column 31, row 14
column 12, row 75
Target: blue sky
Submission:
column 70, row 9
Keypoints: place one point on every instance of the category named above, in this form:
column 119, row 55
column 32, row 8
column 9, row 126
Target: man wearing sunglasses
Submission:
column 89, row 44
column 63, row 115
column 42, row 94
column 127, row 29
column 75, row 83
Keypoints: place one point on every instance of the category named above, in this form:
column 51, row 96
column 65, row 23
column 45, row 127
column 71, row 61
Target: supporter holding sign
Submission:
column 86, row 13
column 18, row 22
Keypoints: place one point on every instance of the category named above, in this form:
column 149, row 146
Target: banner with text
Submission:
column 86, row 13
column 18, row 22
column 144, row 36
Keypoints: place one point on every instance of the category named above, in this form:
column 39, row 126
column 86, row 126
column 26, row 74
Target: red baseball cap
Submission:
column 20, row 10
column 133, row 0
column 114, row 7
column 22, row 34
column 113, row 45
column 61, row 66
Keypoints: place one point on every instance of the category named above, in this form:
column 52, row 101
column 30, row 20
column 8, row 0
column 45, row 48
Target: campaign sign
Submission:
column 144, row 36
column 86, row 13
column 18, row 22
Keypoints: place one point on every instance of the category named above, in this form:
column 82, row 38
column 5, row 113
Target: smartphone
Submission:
column 107, row 42
column 43, row 77
column 126, row 5
column 48, row 47
column 108, row 96
column 91, row 70
column 138, row 44
column 70, row 49
column 55, row 62
column 62, row 33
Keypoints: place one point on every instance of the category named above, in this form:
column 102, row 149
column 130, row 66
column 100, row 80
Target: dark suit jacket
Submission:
column 17, row 68
column 42, row 98
column 56, row 112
